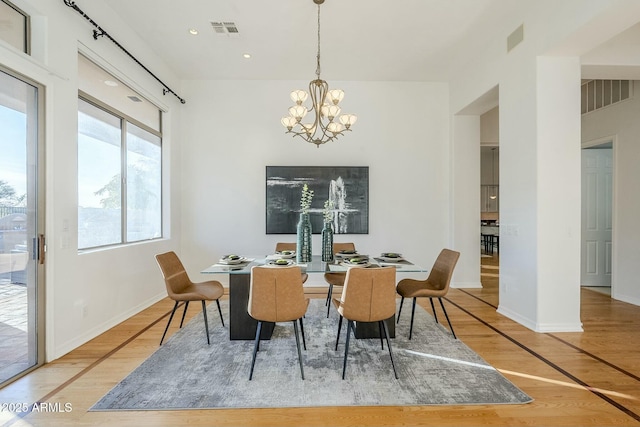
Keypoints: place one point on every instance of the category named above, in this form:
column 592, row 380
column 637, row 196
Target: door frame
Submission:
column 613, row 139
column 40, row 229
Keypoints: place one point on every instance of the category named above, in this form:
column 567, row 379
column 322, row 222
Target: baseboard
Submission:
column 624, row 298
column 79, row 340
column 540, row 327
column 468, row 285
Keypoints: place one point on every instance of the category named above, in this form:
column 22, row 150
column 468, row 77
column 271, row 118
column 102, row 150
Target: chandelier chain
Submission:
column 318, row 56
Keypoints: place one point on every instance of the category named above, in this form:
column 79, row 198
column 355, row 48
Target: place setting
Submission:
column 281, row 259
column 391, row 258
column 233, row 261
column 361, row 261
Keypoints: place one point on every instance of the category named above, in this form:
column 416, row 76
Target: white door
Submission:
column 597, row 216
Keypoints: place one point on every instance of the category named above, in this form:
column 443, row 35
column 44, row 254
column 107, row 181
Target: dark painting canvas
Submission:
column 346, row 186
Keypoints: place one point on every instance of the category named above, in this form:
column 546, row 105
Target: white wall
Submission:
column 218, row 144
column 530, row 129
column 233, row 132
column 620, row 121
column 112, row 283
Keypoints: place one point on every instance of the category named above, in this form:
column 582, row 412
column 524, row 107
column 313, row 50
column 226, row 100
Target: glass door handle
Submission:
column 42, row 248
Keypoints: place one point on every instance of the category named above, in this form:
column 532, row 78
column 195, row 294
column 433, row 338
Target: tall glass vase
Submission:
column 327, row 242
column 303, row 247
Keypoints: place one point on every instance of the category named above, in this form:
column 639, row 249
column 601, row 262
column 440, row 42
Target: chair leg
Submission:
column 386, row 334
column 381, row 336
column 220, row 312
column 304, row 342
column 346, row 348
column 186, row 305
column 435, row 315
column 255, row 348
column 295, row 329
column 413, row 312
column 329, row 292
column 447, row 316
column 169, row 322
column 206, row 323
column 339, row 328
column 400, row 309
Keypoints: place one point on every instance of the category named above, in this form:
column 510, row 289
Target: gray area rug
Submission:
column 433, row 369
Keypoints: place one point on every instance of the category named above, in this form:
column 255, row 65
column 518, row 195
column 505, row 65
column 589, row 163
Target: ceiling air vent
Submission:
column 515, row 38
column 134, row 98
column 225, row 28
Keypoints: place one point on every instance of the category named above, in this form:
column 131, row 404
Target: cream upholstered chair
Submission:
column 181, row 288
column 368, row 295
column 276, row 295
column 336, row 278
column 436, row 286
column 289, row 246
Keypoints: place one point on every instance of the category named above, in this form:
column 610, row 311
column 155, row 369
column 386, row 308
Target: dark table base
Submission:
column 241, row 325
column 371, row 329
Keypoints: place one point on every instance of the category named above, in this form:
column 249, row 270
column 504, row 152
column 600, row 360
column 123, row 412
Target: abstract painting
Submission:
column 347, row 187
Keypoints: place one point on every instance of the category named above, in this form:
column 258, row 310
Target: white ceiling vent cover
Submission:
column 225, row 28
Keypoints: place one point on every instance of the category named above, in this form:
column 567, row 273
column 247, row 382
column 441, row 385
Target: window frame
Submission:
column 125, row 119
column 27, row 26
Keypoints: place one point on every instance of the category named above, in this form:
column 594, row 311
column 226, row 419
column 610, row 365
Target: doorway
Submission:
column 597, row 216
column 21, row 226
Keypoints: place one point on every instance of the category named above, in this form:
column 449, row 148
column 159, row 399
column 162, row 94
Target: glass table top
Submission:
column 315, row 266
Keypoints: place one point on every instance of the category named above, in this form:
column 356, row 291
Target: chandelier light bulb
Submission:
column 298, row 111
column 335, row 96
column 309, row 128
column 330, row 111
column 348, row 119
column 335, row 128
column 299, row 96
column 289, row 122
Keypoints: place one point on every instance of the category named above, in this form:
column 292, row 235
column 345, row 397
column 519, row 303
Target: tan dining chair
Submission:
column 336, row 278
column 368, row 295
column 290, row 246
column 181, row 289
column 276, row 295
column 435, row 286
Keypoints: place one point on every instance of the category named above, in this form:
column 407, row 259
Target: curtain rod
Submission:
column 99, row 32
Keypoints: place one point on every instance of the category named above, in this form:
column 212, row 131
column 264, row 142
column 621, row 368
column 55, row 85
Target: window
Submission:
column 14, row 26
column 119, row 179
column 598, row 94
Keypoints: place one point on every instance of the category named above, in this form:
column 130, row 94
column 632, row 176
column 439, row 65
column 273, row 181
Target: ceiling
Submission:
column 365, row 40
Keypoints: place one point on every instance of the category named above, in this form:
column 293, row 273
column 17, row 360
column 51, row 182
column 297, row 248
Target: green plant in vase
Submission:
column 304, row 232
column 305, row 200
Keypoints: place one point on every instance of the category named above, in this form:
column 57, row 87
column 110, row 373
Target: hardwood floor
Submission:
column 577, row 379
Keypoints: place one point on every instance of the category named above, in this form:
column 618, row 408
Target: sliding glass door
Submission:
column 21, row 227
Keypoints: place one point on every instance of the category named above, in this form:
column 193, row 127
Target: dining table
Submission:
column 243, row 327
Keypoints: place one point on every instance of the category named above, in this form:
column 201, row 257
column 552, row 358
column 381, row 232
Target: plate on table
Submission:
column 281, row 262
column 357, row 262
column 232, row 259
column 347, row 253
column 286, row 254
column 391, row 257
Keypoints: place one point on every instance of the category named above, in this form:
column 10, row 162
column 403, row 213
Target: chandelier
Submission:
column 324, row 108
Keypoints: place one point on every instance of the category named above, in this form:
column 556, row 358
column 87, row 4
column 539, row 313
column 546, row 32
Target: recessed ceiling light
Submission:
column 193, row 31
column 111, row 83
column 246, row 55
